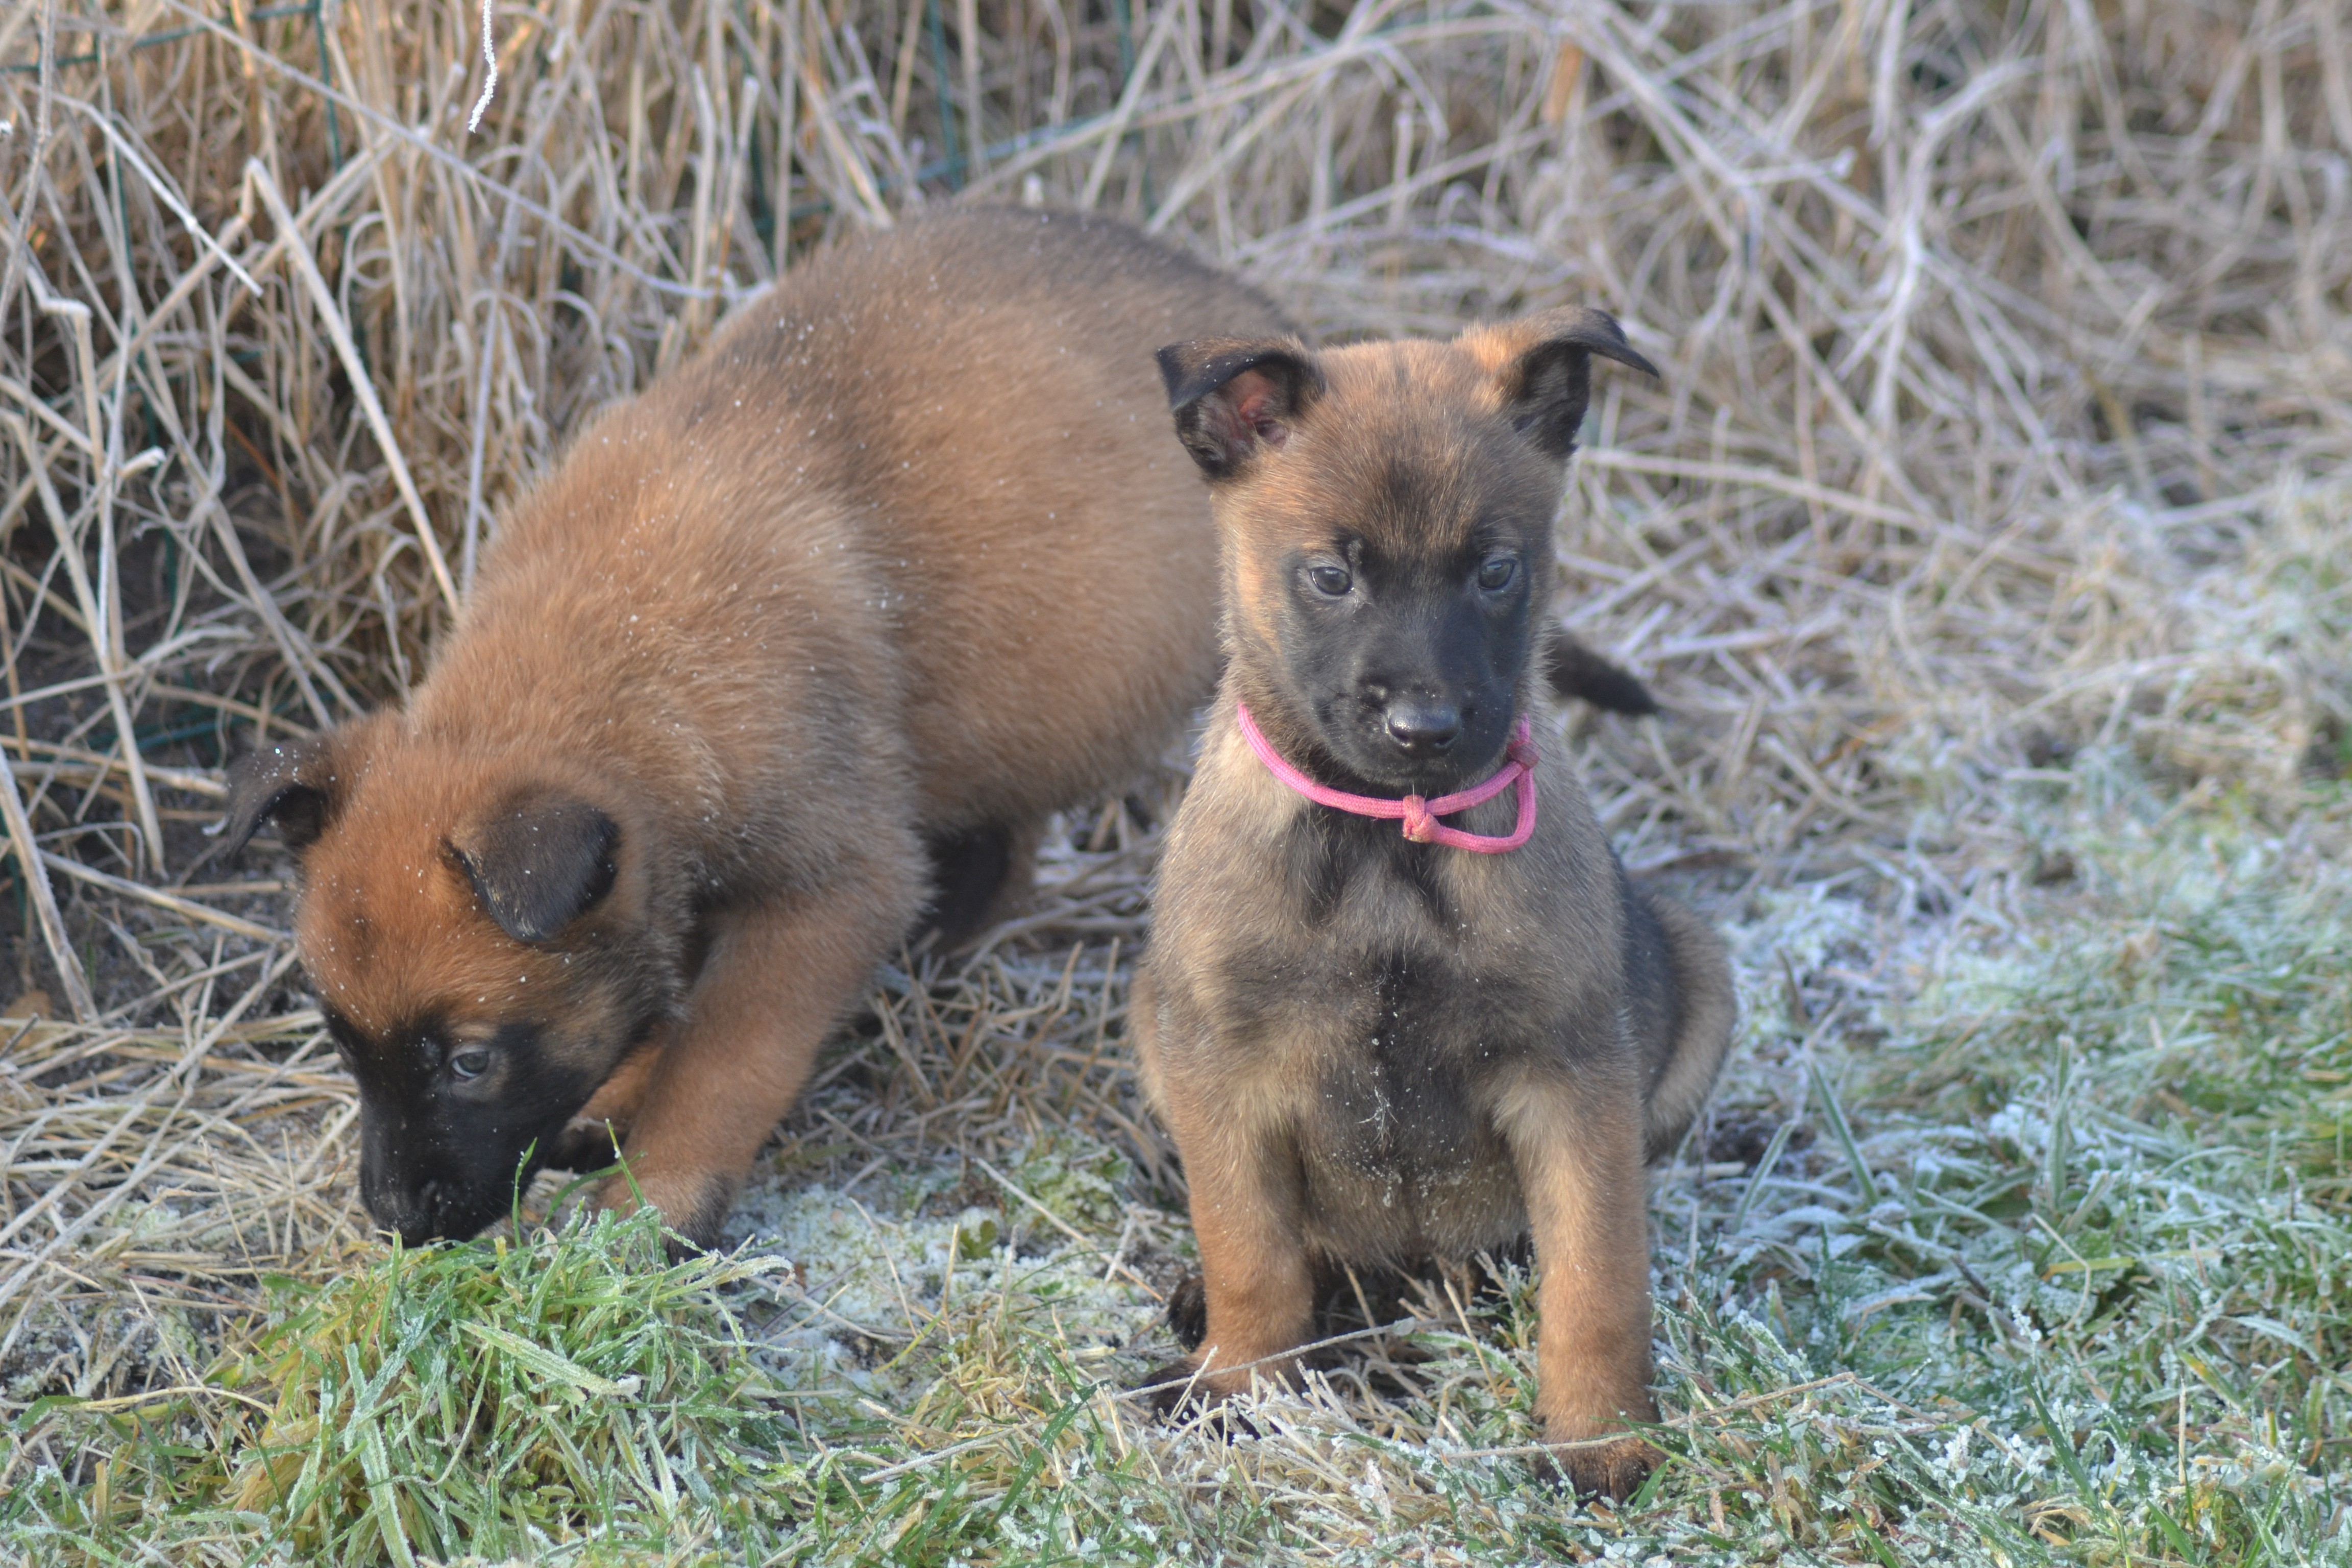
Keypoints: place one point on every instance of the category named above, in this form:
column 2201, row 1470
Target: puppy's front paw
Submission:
column 692, row 1204
column 1594, row 1465
column 1169, row 1389
column 1178, row 1390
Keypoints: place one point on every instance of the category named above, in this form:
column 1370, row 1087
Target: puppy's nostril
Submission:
column 419, row 1220
column 1419, row 729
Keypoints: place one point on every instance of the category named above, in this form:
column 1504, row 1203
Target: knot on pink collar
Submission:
column 1419, row 814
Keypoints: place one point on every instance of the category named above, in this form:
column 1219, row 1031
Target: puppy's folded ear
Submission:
column 298, row 786
column 1236, row 397
column 538, row 860
column 1542, row 366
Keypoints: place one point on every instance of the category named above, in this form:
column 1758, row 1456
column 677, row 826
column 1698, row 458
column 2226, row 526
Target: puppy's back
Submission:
column 978, row 389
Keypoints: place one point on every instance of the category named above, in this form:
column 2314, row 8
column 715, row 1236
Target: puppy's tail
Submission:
column 1575, row 670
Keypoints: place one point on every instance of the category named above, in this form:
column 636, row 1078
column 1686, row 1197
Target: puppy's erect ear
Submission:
column 538, row 860
column 1543, row 366
column 297, row 785
column 1236, row 397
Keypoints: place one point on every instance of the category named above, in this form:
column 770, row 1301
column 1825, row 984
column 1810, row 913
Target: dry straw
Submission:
column 2006, row 368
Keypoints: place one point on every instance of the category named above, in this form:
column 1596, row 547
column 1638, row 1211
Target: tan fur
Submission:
column 1371, row 1051
column 904, row 554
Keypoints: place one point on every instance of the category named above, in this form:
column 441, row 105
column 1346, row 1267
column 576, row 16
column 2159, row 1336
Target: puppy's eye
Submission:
column 469, row 1065
column 1497, row 573
column 1333, row 580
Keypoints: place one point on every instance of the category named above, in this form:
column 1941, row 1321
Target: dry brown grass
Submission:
column 2008, row 387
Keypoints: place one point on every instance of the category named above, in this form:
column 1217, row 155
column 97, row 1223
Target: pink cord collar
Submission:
column 1419, row 815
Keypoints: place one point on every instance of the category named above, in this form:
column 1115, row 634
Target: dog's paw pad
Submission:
column 1615, row 1470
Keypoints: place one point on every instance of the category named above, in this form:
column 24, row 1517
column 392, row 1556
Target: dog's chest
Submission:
column 1418, row 1003
column 1399, row 1154
column 1393, row 1078
column 1363, row 1005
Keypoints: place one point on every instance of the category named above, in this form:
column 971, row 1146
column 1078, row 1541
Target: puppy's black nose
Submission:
column 1420, row 729
column 414, row 1215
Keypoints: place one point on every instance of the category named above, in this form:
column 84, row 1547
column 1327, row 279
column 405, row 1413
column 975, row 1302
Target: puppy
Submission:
column 1401, row 1000
column 805, row 640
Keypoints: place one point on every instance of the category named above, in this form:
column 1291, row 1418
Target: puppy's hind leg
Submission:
column 976, row 877
column 1703, row 1008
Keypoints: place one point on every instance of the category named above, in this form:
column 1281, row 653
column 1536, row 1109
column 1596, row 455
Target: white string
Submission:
column 489, row 59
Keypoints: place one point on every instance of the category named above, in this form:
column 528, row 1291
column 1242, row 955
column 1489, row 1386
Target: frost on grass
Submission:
column 506, row 1399
column 880, row 1287
column 2015, row 1234
column 2070, row 1265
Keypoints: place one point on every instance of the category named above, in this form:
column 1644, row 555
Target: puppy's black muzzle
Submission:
column 415, row 1218
column 1420, row 737
column 424, row 1192
column 410, row 1209
column 429, row 1210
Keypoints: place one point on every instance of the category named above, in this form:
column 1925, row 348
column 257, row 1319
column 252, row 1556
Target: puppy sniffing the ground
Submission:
column 1401, row 1000
column 807, row 638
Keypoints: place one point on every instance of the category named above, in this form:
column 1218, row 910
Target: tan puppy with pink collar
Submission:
column 1401, row 1000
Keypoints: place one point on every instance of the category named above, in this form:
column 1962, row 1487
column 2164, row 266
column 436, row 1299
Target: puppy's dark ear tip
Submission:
column 539, row 861
column 291, row 784
column 1641, row 362
column 1598, row 332
column 1548, row 382
column 1234, row 397
column 1172, row 361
